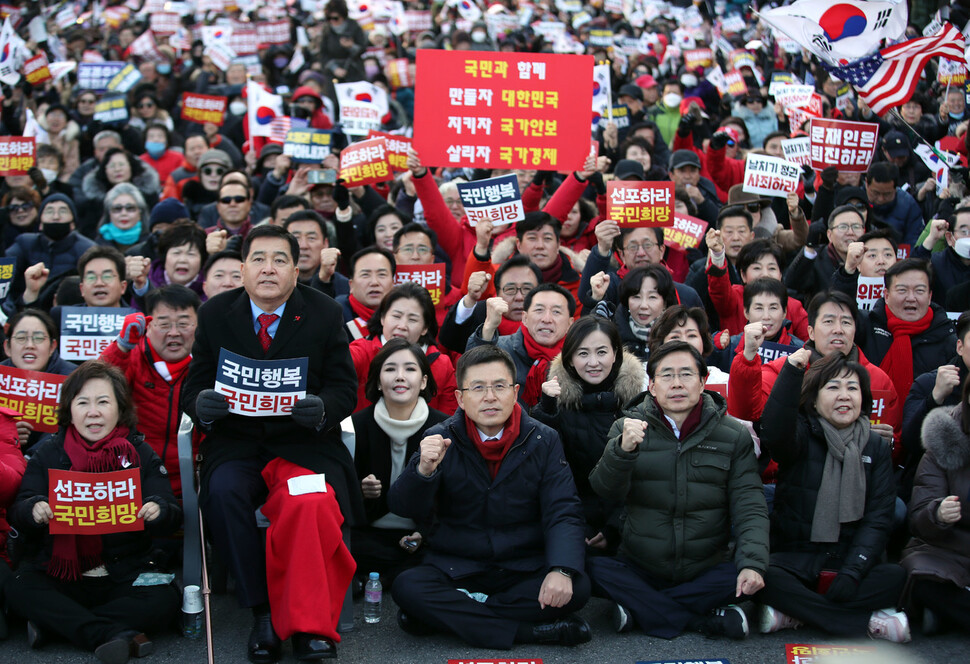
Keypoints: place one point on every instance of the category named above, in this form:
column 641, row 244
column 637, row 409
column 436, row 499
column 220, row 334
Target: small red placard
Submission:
column 632, row 204
column 94, row 503
column 365, row 162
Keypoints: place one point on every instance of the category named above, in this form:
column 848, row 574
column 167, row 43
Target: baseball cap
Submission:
column 684, row 158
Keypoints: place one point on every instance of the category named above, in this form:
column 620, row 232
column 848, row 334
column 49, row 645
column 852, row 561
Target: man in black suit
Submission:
column 303, row 571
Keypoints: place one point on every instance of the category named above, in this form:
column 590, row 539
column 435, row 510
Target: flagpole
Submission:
column 895, row 113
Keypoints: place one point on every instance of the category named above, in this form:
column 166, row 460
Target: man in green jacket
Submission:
column 688, row 475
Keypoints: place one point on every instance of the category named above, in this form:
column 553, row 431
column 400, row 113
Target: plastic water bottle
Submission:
column 372, row 598
column 193, row 620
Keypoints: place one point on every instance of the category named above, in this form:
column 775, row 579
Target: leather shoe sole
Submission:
column 35, row 637
column 310, row 647
column 412, row 626
column 115, row 651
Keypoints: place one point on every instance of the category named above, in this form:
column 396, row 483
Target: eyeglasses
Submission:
column 51, row 211
column 411, row 249
column 479, row 390
column 213, row 171
column 22, row 207
column 145, row 104
column 127, row 207
column 511, row 290
column 36, row 337
column 167, row 326
column 239, row 200
column 646, row 246
column 107, row 277
column 682, row 376
column 842, row 228
column 964, row 231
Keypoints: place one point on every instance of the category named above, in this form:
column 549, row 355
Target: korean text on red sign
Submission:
column 257, row 388
column 848, row 145
column 365, row 162
column 770, row 176
column 87, row 331
column 33, row 394
column 94, row 503
column 432, row 277
column 640, row 203
column 496, row 200
column 799, row 653
column 203, row 108
column 880, row 407
column 36, row 70
column 397, row 149
column 17, row 155
column 686, row 233
column 6, row 275
column 502, row 110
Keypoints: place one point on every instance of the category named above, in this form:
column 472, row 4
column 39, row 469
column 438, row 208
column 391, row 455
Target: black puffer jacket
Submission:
column 801, row 461
column 931, row 349
column 59, row 257
column 125, row 555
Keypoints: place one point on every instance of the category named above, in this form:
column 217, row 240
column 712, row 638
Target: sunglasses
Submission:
column 334, row 18
column 213, row 171
column 22, row 207
column 127, row 207
column 226, row 200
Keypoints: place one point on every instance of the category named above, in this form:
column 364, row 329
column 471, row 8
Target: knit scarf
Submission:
column 541, row 356
column 842, row 491
column 170, row 371
column 507, row 326
column 398, row 431
column 494, row 451
column 898, row 363
column 641, row 332
column 360, row 309
column 112, row 233
column 553, row 273
column 74, row 554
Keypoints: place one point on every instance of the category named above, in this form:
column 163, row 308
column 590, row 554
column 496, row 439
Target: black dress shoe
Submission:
column 310, row 647
column 123, row 645
column 413, row 626
column 568, row 631
column 35, row 637
column 264, row 645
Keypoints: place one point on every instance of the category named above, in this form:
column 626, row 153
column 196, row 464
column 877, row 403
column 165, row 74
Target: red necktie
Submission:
column 265, row 320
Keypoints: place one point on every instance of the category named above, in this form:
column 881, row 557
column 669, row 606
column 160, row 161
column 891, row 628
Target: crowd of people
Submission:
column 716, row 438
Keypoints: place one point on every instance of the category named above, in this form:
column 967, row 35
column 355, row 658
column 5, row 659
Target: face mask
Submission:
column 56, row 230
column 478, row 37
column 155, row 149
column 187, row 63
column 49, row 174
column 689, row 80
column 672, row 100
column 163, row 68
column 962, row 247
column 956, row 116
column 280, row 62
column 237, row 107
column 371, row 69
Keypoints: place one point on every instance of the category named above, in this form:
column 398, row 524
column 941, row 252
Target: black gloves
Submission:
column 308, row 412
column 341, row 195
column 808, row 178
column 842, row 589
column 816, row 235
column 596, row 179
column 541, row 177
column 211, row 406
column 719, row 140
column 829, row 175
column 686, row 125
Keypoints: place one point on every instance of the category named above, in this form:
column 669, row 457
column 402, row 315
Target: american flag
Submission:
column 281, row 125
column 888, row 78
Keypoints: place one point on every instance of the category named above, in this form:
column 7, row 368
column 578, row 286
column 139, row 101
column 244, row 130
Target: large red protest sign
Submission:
column 432, row 277
column 94, row 503
column 632, row 204
column 365, row 162
column 502, row 110
column 16, row 155
column 848, row 145
column 203, row 108
column 33, row 394
column 880, row 406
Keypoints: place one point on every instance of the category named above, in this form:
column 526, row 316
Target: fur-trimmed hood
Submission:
column 71, row 130
column 147, row 182
column 629, row 382
column 945, row 440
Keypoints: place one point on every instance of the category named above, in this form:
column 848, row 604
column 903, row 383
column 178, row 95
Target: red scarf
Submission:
column 360, row 309
column 898, row 363
column 542, row 356
column 174, row 368
column 507, row 326
column 74, row 554
column 553, row 273
column 494, row 451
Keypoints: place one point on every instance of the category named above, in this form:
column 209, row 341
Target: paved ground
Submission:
column 384, row 643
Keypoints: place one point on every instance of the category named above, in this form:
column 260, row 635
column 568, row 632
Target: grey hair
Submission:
column 118, row 190
column 106, row 133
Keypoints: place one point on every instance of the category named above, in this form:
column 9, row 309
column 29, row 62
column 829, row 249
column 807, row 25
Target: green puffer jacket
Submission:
column 682, row 497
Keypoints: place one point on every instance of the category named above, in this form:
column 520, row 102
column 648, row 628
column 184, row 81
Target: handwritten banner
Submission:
column 307, row 146
column 632, row 204
column 496, row 200
column 848, row 145
column 869, row 290
column 257, row 388
column 502, row 110
column 770, row 176
column 432, row 277
column 203, row 108
column 17, row 155
column 94, row 503
column 33, row 394
column 686, row 233
column 87, row 331
column 365, row 162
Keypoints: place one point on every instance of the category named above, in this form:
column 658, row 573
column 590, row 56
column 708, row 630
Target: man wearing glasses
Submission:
column 154, row 352
column 507, row 561
column 415, row 244
column 689, row 478
column 233, row 204
column 812, row 269
column 951, row 267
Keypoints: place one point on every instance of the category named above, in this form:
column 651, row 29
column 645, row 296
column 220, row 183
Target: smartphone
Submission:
column 825, row 579
column 324, row 176
column 411, row 544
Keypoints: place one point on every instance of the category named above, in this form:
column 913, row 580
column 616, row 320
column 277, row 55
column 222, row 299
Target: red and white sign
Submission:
column 848, row 145
column 798, row 653
column 36, row 70
column 365, row 163
column 273, row 32
column 770, row 176
column 686, row 233
column 869, row 290
column 432, row 277
column 203, row 108
column 95, row 503
column 33, row 394
column 502, row 110
column 17, row 155
column 165, row 23
column 698, row 57
column 632, row 204
column 397, row 149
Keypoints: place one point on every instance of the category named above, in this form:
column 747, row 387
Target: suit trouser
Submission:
column 943, row 597
column 432, row 597
column 379, row 550
column 91, row 610
column 661, row 608
column 879, row 589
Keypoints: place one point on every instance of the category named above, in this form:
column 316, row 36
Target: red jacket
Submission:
column 728, row 300
column 363, row 352
column 12, row 467
column 169, row 162
column 156, row 401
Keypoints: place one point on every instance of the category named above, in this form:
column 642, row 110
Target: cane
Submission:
column 205, row 594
